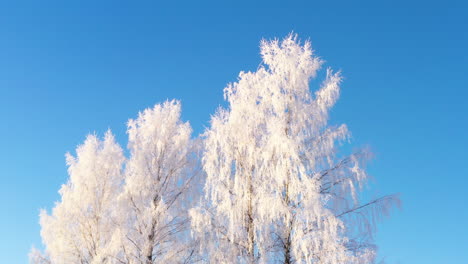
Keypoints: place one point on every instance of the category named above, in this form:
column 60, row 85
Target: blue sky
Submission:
column 68, row 68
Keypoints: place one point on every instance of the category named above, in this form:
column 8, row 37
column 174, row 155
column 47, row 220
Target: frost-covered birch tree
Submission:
column 80, row 228
column 153, row 227
column 277, row 190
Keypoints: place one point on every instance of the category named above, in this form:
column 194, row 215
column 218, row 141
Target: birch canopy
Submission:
column 265, row 183
column 275, row 191
column 156, row 179
column 80, row 228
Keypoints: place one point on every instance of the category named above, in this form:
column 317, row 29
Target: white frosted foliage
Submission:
column 265, row 183
column 157, row 176
column 80, row 227
column 275, row 188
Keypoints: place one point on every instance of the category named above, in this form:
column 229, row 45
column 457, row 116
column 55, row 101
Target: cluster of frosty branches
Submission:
column 275, row 188
column 117, row 210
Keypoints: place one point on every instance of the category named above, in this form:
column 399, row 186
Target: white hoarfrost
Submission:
column 275, row 190
column 80, row 228
column 154, row 221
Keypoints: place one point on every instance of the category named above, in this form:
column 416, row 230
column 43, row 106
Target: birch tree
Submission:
column 276, row 190
column 80, row 228
column 157, row 179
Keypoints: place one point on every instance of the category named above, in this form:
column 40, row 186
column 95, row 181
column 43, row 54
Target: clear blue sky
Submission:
column 68, row 68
